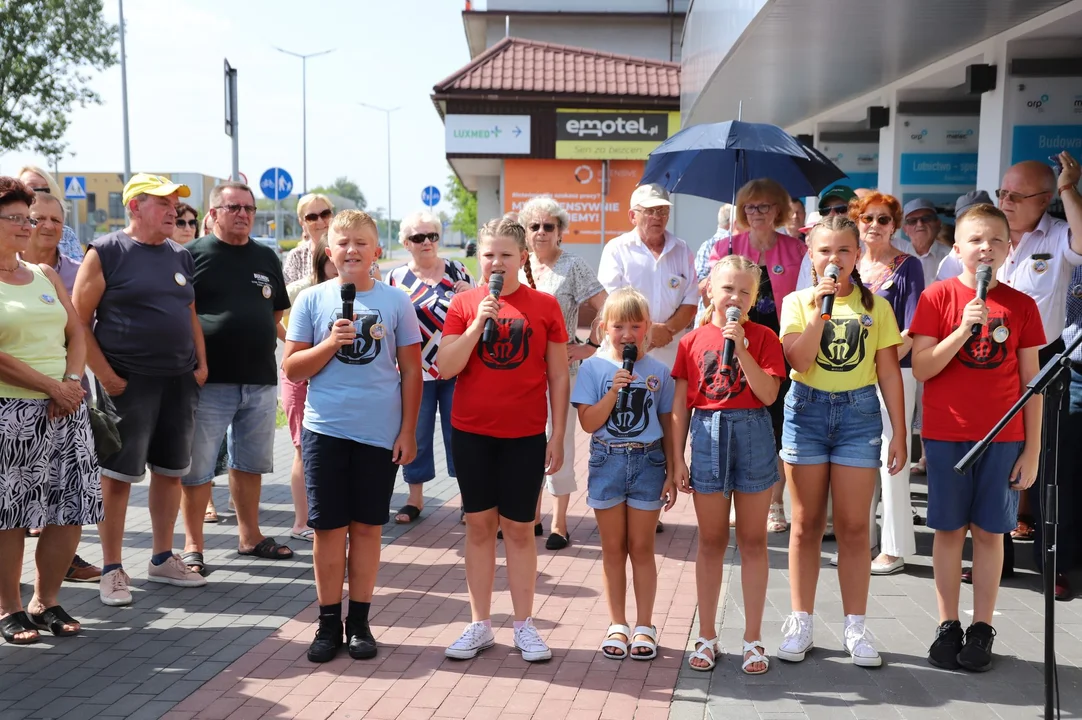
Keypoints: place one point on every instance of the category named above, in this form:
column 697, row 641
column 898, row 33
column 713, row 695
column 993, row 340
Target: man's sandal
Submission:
column 756, row 657
column 612, row 643
column 700, row 645
column 650, row 645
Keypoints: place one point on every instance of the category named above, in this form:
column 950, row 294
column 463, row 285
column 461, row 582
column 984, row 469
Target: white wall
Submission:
column 488, row 198
column 650, row 6
column 624, row 36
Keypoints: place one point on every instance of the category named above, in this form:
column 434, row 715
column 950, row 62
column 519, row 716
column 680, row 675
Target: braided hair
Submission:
column 507, row 227
column 738, row 263
column 840, row 223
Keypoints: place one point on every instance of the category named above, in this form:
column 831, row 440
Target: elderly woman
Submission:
column 898, row 277
column 187, row 224
column 40, row 181
column 431, row 282
column 572, row 282
column 314, row 213
column 48, row 468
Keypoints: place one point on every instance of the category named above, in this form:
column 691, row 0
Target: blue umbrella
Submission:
column 714, row 160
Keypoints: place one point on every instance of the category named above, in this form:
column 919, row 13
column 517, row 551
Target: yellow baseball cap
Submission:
column 145, row 184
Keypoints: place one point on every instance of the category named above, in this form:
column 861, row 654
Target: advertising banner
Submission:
column 938, row 159
column 859, row 162
column 487, row 134
column 1046, row 118
column 576, row 185
column 612, row 134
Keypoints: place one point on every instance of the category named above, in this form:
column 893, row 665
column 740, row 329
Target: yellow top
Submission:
column 846, row 358
column 32, row 321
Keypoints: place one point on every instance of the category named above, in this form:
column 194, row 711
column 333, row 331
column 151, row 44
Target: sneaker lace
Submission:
column 859, row 639
column 794, row 629
column 79, row 562
column 118, row 581
column 328, row 628
column 528, row 639
column 980, row 636
column 471, row 635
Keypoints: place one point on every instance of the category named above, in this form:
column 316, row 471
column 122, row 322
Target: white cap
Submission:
column 648, row 196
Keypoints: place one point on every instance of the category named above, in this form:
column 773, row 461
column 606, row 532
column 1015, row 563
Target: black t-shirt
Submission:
column 238, row 289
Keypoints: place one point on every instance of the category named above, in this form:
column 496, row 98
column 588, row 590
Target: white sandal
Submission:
column 756, row 657
column 615, row 644
column 651, row 645
column 700, row 645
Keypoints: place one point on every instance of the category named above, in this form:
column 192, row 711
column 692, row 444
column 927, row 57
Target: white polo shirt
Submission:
column 1041, row 267
column 667, row 281
column 932, row 260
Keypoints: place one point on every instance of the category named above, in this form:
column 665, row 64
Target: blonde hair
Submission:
column 983, row 211
column 505, row 227
column 54, row 187
column 768, row 190
column 841, row 223
column 306, row 200
column 353, row 220
column 624, row 304
column 736, row 263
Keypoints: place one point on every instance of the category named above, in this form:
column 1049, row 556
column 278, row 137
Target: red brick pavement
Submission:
column 421, row 606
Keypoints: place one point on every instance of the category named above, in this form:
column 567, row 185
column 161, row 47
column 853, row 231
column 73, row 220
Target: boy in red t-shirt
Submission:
column 971, row 381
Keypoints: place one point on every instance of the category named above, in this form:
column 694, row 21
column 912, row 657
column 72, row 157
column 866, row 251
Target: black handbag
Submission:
column 103, row 421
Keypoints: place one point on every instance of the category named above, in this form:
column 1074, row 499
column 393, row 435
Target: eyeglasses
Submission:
column 921, row 220
column 421, row 238
column 549, row 227
column 760, row 209
column 20, row 220
column 193, row 224
column 834, row 210
column 658, row 211
column 883, row 220
column 325, row 215
column 41, row 220
column 234, row 209
column 1016, row 197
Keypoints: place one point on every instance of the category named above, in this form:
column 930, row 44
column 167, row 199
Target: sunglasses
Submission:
column 45, row 190
column 883, row 220
column 193, row 224
column 421, row 238
column 325, row 215
column 233, row 209
column 549, row 227
column 920, row 220
column 834, row 210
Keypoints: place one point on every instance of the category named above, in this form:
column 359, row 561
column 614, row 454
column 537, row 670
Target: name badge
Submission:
column 267, row 291
column 866, row 320
column 1000, row 334
column 179, row 279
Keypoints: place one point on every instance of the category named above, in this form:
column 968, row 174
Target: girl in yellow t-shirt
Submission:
column 831, row 436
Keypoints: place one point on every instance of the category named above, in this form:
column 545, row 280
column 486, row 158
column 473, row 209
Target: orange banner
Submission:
column 576, row 185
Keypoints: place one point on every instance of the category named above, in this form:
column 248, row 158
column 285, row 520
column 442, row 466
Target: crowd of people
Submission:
column 788, row 351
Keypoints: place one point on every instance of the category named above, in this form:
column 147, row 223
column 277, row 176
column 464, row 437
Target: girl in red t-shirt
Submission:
column 498, row 421
column 732, row 448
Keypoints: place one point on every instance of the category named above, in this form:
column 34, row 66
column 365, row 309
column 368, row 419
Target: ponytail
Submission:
column 867, row 299
column 708, row 316
column 529, row 272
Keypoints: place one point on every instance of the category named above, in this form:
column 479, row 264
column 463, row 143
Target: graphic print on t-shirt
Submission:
column 635, row 417
column 981, row 351
column 510, row 348
column 841, row 347
column 718, row 384
column 367, row 345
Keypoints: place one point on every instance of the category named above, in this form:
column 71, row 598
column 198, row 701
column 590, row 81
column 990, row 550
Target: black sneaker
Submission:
column 946, row 646
column 362, row 645
column 328, row 639
column 976, row 654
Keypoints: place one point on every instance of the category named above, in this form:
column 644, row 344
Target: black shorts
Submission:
column 157, row 422
column 502, row 473
column 346, row 481
column 777, row 410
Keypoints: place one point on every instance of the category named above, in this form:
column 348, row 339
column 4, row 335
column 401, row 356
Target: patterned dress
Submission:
column 431, row 303
column 571, row 281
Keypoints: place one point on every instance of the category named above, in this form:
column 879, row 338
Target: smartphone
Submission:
column 1054, row 159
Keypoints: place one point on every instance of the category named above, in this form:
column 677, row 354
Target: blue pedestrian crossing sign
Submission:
column 75, row 187
column 430, row 196
column 276, row 184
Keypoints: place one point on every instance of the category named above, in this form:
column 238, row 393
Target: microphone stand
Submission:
column 1052, row 382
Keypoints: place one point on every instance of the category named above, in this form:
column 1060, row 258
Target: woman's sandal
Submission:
column 612, row 643
column 17, row 624
column 756, row 657
column 54, row 619
column 650, row 645
column 267, row 549
column 194, row 561
column 410, row 512
column 700, row 645
column 775, row 520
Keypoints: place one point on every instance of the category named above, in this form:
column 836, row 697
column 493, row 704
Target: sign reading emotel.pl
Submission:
column 487, row 134
column 612, row 134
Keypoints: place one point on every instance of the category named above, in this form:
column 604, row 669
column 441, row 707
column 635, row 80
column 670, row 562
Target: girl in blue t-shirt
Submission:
column 631, row 465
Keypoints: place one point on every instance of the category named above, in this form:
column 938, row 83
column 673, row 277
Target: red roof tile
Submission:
column 528, row 66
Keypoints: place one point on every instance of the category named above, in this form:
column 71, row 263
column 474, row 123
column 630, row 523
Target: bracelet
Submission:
column 1065, row 188
column 592, row 344
column 73, row 377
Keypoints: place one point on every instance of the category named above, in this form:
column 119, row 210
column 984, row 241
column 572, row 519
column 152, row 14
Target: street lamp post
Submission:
column 124, row 95
column 390, row 215
column 304, row 109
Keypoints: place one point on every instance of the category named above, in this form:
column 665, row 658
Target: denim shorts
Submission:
column 732, row 450
column 245, row 416
column 630, row 473
column 982, row 497
column 842, row 428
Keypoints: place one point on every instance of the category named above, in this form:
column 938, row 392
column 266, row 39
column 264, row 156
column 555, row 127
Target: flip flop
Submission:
column 268, row 550
column 54, row 619
column 194, row 560
column 307, row 535
column 410, row 511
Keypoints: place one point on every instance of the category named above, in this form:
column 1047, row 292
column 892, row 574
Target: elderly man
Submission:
column 658, row 264
column 922, row 227
column 134, row 295
column 240, row 296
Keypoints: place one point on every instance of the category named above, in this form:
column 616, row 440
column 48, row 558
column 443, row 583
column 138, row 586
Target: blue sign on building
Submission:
column 938, row 169
column 1038, row 142
column 276, row 184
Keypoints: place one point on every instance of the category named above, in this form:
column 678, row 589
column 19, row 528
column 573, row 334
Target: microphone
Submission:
column 349, row 293
column 631, row 354
column 495, row 286
column 731, row 315
column 984, row 276
column 828, row 301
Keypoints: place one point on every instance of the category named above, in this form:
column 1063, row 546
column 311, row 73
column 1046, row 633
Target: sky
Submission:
column 388, row 54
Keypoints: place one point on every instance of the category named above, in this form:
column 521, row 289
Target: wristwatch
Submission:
column 73, row 377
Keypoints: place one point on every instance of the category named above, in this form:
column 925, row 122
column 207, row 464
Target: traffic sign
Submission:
column 430, row 196
column 276, row 184
column 75, row 187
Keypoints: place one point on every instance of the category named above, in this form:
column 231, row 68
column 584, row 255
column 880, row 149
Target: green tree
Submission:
column 465, row 204
column 344, row 187
column 46, row 47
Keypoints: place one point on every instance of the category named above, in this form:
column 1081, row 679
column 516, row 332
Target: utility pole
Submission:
column 124, row 96
column 390, row 215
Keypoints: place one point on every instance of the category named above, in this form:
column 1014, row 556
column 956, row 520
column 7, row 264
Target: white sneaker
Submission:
column 477, row 637
column 174, row 572
column 858, row 643
column 114, row 590
column 798, row 637
column 834, row 559
column 531, row 645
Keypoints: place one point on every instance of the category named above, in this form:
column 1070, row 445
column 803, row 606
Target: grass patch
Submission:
column 280, row 416
column 288, row 245
column 471, row 265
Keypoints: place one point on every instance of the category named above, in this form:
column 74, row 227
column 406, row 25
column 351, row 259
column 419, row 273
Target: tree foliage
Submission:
column 344, row 187
column 46, row 49
column 465, row 204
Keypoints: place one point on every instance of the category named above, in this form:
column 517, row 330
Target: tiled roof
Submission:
column 514, row 65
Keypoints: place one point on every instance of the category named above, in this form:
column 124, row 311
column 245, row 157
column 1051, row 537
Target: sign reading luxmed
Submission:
column 488, row 134
column 612, row 134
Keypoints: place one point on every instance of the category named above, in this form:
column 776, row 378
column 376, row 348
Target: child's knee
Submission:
column 713, row 541
column 985, row 538
column 752, row 543
column 641, row 549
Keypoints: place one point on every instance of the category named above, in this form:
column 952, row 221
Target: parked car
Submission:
column 271, row 243
column 471, row 249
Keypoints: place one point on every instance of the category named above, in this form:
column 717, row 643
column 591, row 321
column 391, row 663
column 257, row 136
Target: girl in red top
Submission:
column 498, row 420
column 732, row 448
